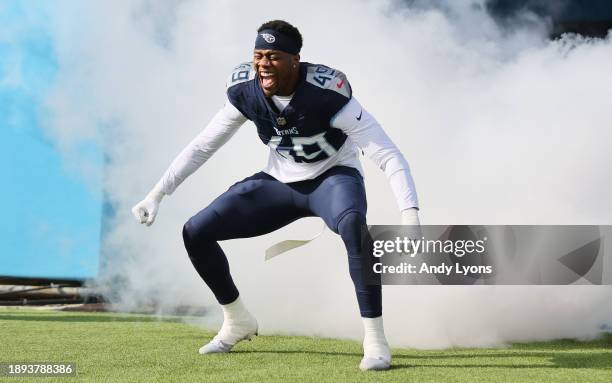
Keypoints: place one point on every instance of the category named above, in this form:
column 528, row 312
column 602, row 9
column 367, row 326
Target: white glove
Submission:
column 411, row 217
column 146, row 210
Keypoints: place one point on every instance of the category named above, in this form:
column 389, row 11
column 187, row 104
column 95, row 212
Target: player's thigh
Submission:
column 254, row 206
column 341, row 191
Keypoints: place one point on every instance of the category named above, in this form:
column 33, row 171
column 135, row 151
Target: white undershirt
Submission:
column 281, row 102
column 365, row 134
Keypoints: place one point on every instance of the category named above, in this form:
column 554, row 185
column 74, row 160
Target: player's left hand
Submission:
column 411, row 217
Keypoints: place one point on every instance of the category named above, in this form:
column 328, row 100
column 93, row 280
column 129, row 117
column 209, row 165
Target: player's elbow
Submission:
column 393, row 163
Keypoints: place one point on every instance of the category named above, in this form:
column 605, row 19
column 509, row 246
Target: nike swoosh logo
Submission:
column 360, row 113
column 339, row 85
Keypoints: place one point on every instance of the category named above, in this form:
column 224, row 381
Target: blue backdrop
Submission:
column 50, row 218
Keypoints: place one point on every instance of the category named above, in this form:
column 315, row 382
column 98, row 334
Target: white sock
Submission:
column 237, row 322
column 235, row 311
column 374, row 341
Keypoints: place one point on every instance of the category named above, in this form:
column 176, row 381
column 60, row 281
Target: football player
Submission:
column 306, row 114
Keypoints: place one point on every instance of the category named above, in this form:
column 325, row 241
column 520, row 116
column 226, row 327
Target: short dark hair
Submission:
column 284, row 28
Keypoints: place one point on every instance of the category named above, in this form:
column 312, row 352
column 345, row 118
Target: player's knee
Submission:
column 194, row 232
column 351, row 222
column 349, row 228
column 188, row 233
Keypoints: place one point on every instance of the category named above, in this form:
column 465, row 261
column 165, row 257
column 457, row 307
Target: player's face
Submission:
column 276, row 70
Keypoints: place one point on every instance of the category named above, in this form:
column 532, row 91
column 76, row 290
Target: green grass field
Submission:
column 114, row 347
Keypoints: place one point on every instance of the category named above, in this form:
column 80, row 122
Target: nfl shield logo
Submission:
column 281, row 121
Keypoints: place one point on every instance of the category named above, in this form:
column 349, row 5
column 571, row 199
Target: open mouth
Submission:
column 268, row 80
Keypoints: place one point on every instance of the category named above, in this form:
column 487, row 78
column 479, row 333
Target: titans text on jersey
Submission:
column 320, row 126
column 302, row 130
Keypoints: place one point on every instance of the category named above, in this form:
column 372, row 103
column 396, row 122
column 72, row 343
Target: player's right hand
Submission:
column 145, row 211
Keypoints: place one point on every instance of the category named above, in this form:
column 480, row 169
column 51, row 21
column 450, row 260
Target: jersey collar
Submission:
column 289, row 108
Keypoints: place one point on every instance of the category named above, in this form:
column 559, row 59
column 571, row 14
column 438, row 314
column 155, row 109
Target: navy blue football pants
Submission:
column 261, row 204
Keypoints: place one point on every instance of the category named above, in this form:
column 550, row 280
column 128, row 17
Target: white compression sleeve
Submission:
column 218, row 131
column 367, row 133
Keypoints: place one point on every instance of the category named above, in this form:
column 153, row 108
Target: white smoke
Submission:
column 500, row 125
